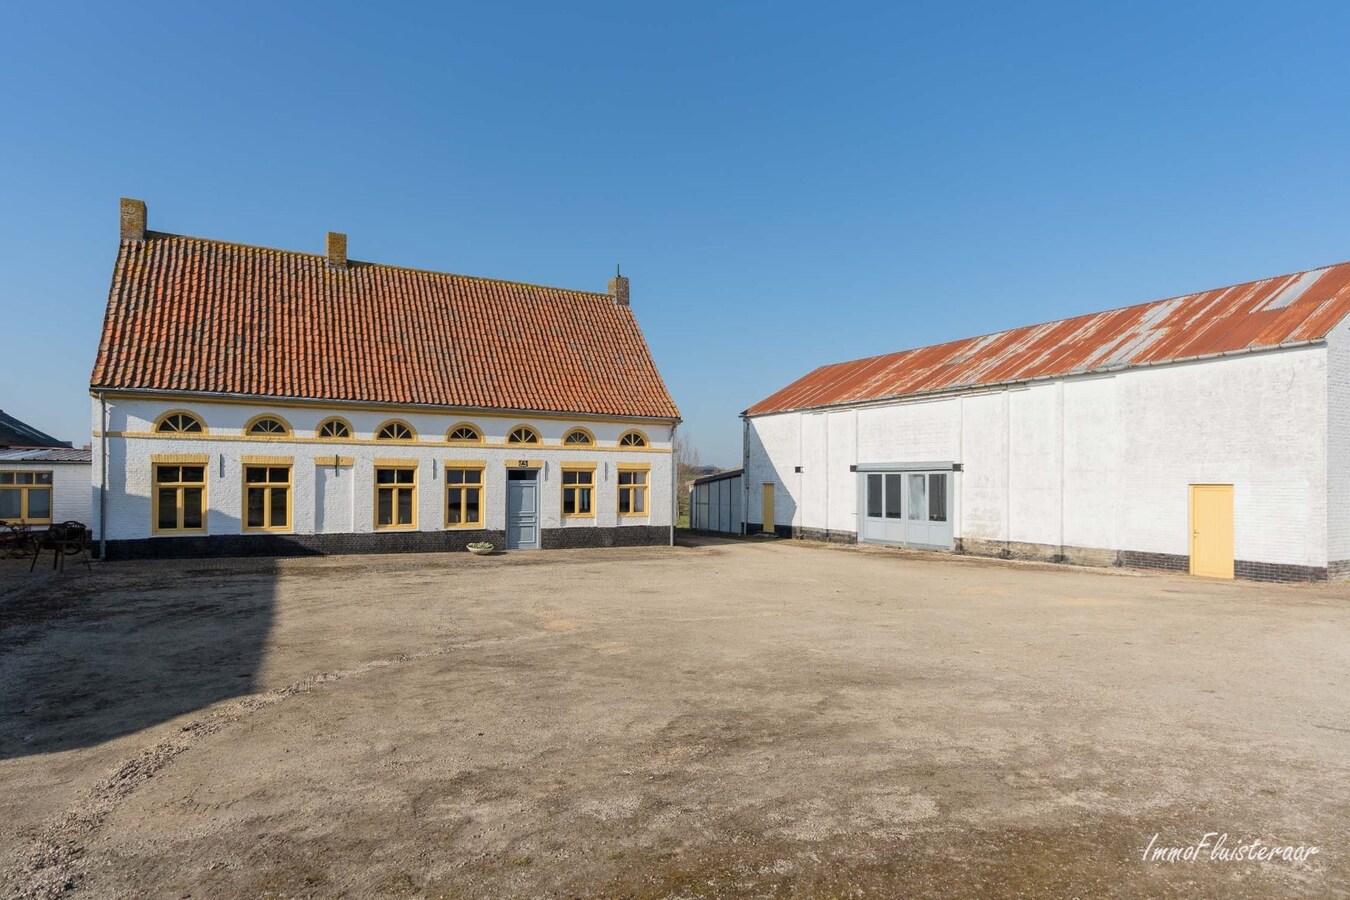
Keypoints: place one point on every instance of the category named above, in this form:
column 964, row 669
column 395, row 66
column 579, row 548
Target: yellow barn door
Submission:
column 768, row 508
column 1212, row 530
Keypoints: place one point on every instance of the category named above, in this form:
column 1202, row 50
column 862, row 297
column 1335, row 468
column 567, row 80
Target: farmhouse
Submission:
column 1207, row 433
column 257, row 401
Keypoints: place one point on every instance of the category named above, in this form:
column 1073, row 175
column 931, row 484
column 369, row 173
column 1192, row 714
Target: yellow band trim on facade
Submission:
column 393, row 408
column 633, row 467
column 334, row 461
column 196, row 459
column 577, row 466
column 283, row 439
column 398, row 463
column 466, row 463
column 267, row 460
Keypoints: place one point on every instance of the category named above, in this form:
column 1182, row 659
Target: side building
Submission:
column 43, row 481
column 257, row 401
column 1208, row 433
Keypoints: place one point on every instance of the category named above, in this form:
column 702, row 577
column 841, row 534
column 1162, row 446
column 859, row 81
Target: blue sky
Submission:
column 786, row 185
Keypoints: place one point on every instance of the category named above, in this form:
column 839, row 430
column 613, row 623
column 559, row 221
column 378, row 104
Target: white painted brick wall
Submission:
column 1338, row 442
column 1106, row 462
column 70, row 487
column 129, row 464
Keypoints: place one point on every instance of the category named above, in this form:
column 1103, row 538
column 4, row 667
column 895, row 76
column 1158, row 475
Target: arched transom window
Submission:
column 334, row 428
column 578, row 437
column 523, row 434
column 464, row 434
column 267, row 425
column 633, row 439
column 394, row 431
column 179, row 423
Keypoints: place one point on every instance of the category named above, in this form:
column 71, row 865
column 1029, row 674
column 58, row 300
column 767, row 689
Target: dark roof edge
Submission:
column 719, row 476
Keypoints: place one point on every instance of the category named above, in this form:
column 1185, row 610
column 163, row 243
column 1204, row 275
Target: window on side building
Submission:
column 26, row 498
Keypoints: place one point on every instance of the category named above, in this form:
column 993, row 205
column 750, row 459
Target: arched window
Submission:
column 579, row 437
column 394, row 430
column 179, row 423
column 265, row 426
column 464, row 433
column 334, row 428
column 523, row 434
column 633, row 439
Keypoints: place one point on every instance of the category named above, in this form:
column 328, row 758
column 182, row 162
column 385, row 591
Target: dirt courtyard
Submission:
column 723, row 719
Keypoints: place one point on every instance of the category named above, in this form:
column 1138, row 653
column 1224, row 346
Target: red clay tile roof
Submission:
column 1256, row 315
column 197, row 315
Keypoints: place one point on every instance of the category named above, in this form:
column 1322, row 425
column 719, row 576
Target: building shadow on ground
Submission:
column 88, row 657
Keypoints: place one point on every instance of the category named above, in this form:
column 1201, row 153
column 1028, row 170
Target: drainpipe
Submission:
column 745, row 473
column 103, row 477
column 675, row 487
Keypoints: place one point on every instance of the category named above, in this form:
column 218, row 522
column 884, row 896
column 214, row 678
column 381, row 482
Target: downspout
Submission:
column 745, row 475
column 1007, row 475
column 1063, row 481
column 103, row 477
column 675, row 487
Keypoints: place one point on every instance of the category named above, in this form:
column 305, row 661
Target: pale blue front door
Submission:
column 522, row 509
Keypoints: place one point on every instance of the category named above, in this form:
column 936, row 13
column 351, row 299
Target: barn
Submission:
column 1207, row 433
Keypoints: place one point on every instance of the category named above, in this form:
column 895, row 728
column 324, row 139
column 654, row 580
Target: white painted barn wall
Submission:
column 1098, row 462
column 70, row 487
column 129, row 464
column 1338, row 447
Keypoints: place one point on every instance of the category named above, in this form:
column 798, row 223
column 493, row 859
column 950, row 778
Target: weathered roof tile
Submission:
column 197, row 315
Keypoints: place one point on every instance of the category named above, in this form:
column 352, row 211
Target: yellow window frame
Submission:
column 396, row 492
column 476, row 439
column 524, row 429
column 164, row 418
column 179, row 487
column 589, row 488
column 254, row 422
column 391, row 423
column 334, row 420
column 634, row 433
column 23, row 489
column 644, row 489
column 567, row 438
column 480, row 469
column 267, row 487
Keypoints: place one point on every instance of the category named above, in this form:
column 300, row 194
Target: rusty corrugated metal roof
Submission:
column 1256, row 315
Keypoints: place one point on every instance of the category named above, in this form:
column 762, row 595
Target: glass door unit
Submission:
column 910, row 508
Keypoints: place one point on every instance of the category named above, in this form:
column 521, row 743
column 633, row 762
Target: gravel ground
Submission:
column 722, row 719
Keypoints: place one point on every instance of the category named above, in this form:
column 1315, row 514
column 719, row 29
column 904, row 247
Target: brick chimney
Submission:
column 618, row 288
column 133, row 219
column 337, row 250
